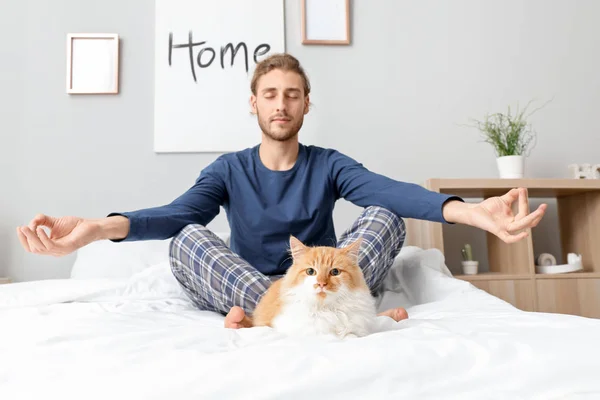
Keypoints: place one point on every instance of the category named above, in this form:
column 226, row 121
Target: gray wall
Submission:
column 416, row 70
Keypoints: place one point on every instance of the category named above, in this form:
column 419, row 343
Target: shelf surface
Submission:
column 480, row 188
column 569, row 275
column 491, row 276
column 499, row 276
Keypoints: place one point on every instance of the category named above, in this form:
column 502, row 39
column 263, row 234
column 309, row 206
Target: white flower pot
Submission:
column 470, row 267
column 511, row 167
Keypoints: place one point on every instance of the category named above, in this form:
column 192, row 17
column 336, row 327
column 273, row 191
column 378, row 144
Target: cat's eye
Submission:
column 335, row 272
column 310, row 271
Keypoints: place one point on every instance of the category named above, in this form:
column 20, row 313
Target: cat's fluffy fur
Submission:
column 323, row 292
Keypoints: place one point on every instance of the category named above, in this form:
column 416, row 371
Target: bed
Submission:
column 121, row 328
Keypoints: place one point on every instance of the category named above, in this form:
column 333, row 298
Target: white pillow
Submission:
column 106, row 259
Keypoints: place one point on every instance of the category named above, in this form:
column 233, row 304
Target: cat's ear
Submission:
column 353, row 249
column 297, row 248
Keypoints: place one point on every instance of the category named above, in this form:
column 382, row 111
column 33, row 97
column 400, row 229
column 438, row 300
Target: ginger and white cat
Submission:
column 323, row 292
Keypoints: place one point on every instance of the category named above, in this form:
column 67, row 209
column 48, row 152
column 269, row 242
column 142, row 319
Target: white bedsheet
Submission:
column 140, row 338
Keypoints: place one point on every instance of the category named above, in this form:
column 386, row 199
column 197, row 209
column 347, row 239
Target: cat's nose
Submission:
column 322, row 284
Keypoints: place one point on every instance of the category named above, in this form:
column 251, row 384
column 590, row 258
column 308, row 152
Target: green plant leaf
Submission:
column 508, row 134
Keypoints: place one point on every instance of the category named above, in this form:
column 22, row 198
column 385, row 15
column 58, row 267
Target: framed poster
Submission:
column 205, row 55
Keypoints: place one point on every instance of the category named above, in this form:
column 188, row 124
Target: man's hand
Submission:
column 68, row 234
column 495, row 215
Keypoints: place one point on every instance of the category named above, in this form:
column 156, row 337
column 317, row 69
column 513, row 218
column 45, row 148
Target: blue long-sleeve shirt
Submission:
column 265, row 207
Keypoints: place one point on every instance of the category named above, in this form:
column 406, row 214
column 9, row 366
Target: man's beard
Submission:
column 280, row 135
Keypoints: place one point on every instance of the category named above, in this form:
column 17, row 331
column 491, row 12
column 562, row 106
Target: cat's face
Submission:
column 324, row 273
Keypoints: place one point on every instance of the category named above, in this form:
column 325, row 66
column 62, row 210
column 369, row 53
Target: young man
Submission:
column 271, row 191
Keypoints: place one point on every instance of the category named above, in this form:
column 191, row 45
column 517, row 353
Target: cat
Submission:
column 323, row 292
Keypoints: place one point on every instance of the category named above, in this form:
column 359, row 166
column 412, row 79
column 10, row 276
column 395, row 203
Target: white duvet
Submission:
column 140, row 338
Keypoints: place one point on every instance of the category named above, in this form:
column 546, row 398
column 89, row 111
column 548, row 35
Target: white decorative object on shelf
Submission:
column 470, row 267
column 511, row 167
column 585, row 171
column 573, row 258
column 511, row 136
column 573, row 264
column 546, row 259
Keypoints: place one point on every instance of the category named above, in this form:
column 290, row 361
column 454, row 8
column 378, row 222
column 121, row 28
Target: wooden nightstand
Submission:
column 4, row 280
column 512, row 275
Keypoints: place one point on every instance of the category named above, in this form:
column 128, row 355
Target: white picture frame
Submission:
column 92, row 63
column 325, row 22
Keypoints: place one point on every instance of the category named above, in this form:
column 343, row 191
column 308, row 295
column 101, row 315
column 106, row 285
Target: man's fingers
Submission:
column 508, row 238
column 38, row 242
column 41, row 219
column 35, row 243
column 510, row 196
column 523, row 204
column 50, row 246
column 536, row 221
column 520, row 236
column 55, row 248
column 528, row 221
column 23, row 239
column 524, row 223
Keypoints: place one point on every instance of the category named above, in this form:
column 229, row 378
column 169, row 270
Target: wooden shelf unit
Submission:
column 512, row 275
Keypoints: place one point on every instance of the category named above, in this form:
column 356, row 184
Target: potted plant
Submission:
column 512, row 139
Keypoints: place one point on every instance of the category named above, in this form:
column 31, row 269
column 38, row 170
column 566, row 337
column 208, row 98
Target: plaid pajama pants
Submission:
column 216, row 279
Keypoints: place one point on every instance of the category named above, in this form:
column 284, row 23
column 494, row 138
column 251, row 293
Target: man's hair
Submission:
column 281, row 61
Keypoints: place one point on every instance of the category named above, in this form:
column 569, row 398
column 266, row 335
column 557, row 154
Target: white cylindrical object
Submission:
column 546, row 259
column 470, row 267
column 510, row 167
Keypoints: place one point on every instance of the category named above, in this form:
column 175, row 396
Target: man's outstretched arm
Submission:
column 64, row 235
column 200, row 204
column 365, row 188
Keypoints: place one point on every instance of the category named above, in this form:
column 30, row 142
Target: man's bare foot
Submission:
column 397, row 314
column 237, row 318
